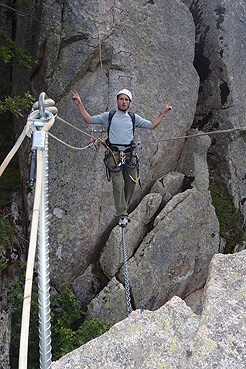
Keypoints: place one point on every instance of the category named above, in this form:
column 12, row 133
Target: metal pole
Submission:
column 43, row 270
column 127, row 287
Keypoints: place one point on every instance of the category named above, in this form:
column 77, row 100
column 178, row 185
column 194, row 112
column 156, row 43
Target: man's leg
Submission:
column 116, row 176
column 119, row 194
column 130, row 175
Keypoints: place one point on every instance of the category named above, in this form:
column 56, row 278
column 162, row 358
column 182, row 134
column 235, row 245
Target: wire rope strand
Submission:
column 25, row 322
column 127, row 286
column 201, row 134
column 43, row 270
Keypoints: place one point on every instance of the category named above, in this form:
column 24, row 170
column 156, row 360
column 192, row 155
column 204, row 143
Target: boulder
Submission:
column 168, row 185
column 144, row 340
column 89, row 284
column 111, row 259
column 220, row 339
column 193, row 161
column 173, row 336
column 195, row 301
column 173, row 258
column 110, row 303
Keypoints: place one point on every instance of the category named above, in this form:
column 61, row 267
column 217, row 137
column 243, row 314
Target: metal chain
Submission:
column 127, row 287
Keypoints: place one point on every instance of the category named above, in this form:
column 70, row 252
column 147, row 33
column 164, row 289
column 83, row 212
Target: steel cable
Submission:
column 127, row 286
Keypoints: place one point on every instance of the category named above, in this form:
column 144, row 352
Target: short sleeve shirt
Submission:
column 121, row 128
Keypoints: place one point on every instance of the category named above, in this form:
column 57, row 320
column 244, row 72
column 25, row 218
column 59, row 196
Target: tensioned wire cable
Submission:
column 166, row 139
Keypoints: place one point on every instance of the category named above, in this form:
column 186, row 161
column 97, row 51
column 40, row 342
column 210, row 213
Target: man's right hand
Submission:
column 76, row 97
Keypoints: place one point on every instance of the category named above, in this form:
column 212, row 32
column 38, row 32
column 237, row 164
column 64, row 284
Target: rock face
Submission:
column 97, row 48
column 220, row 339
column 181, row 243
column 5, row 329
column 220, row 62
column 174, row 336
column 172, row 258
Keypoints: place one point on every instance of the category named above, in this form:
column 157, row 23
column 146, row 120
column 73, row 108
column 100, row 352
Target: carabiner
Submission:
column 122, row 158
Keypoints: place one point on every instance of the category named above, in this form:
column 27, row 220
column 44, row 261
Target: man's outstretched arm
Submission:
column 158, row 120
column 85, row 115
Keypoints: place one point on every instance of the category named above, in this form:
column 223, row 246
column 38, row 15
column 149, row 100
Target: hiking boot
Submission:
column 123, row 222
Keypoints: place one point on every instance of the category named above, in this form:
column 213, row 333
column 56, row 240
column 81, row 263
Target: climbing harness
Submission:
column 123, row 164
column 127, row 286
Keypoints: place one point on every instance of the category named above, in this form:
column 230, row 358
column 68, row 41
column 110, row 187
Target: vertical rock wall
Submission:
column 98, row 47
column 220, row 62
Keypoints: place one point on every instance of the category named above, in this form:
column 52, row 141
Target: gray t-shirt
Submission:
column 121, row 129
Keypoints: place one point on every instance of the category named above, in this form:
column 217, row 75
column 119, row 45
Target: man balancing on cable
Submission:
column 123, row 164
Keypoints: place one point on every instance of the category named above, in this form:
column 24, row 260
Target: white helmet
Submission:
column 126, row 92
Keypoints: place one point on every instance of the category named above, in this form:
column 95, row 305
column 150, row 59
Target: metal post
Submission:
column 127, row 287
column 43, row 270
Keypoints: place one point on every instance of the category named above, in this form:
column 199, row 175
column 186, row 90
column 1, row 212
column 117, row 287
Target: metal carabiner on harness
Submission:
column 122, row 158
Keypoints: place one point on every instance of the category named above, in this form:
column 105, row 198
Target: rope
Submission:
column 14, row 149
column 127, row 287
column 64, row 143
column 162, row 140
column 70, row 125
column 85, row 133
column 202, row 134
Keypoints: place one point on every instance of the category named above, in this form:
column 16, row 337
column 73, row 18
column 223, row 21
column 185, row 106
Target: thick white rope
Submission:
column 23, row 350
column 15, row 148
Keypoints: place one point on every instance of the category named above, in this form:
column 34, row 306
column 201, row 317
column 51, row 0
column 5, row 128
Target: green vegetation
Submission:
column 17, row 104
column 10, row 53
column 231, row 228
column 6, row 235
column 9, row 182
column 69, row 330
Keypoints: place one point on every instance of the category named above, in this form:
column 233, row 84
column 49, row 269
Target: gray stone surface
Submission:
column 220, row 61
column 89, row 284
column 193, row 161
column 144, row 340
column 110, row 304
column 220, row 339
column 168, row 185
column 173, row 336
column 5, row 334
column 111, row 259
column 196, row 301
column 173, row 258
column 97, row 48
